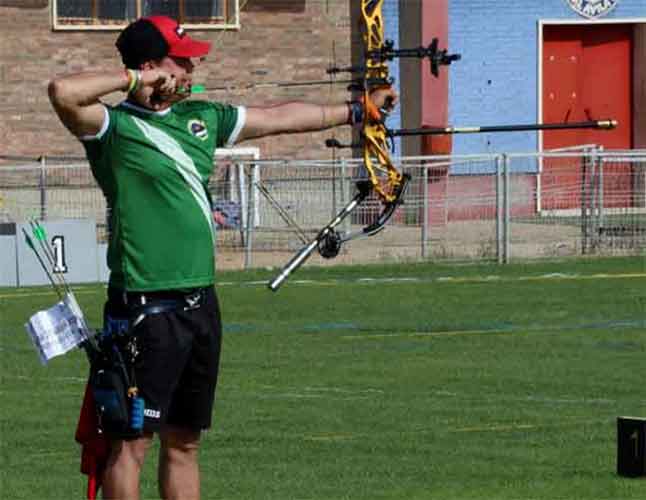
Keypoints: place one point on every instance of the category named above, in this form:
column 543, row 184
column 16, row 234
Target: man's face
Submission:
column 181, row 68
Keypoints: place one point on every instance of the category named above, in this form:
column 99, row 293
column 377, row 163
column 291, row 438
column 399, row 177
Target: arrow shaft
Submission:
column 594, row 124
column 30, row 244
column 261, row 85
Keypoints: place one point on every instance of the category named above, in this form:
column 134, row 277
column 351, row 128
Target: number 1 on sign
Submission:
column 58, row 242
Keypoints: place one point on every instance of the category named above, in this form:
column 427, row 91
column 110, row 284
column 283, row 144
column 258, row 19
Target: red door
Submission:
column 587, row 74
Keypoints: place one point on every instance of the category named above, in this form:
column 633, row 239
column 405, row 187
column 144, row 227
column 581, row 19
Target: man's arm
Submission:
column 76, row 97
column 292, row 117
column 304, row 117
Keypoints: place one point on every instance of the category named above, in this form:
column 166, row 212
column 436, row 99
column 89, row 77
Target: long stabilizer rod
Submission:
column 304, row 253
column 593, row 124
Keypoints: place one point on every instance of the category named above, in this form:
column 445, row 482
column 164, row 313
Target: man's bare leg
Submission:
column 121, row 475
column 179, row 472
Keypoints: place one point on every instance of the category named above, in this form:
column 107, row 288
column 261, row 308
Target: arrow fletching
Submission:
column 192, row 89
column 39, row 232
column 29, row 241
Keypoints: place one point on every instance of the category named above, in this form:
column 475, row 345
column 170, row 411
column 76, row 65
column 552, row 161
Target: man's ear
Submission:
column 146, row 65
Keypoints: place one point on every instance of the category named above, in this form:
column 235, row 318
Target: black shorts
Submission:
column 176, row 368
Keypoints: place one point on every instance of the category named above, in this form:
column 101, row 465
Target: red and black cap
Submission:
column 156, row 37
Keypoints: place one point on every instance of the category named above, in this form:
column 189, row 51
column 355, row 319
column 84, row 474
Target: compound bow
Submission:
column 380, row 175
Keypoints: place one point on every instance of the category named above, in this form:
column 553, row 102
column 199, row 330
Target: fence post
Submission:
column 334, row 181
column 585, row 167
column 43, row 187
column 598, row 162
column 594, row 203
column 251, row 199
column 507, row 207
column 343, row 191
column 242, row 198
column 499, row 211
column 425, row 207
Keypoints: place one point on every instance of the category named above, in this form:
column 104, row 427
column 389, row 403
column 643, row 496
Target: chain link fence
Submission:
column 493, row 207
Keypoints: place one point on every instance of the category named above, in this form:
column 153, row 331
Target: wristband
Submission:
column 355, row 113
column 134, row 79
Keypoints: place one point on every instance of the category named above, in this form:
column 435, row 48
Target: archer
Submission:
column 152, row 156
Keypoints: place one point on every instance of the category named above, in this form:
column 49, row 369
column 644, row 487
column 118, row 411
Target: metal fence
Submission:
column 494, row 207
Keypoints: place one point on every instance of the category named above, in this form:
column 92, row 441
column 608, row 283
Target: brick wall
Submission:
column 277, row 42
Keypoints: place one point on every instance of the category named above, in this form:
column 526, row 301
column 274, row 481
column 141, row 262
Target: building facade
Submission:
column 532, row 61
column 268, row 42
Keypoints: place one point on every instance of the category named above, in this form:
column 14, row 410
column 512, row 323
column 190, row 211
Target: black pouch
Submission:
column 110, row 390
column 109, row 375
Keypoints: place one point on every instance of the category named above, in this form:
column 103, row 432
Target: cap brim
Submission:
column 188, row 47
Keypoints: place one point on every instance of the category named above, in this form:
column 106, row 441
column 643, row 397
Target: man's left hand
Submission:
column 384, row 98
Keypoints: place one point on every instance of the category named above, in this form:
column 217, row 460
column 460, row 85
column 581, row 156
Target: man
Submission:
column 152, row 156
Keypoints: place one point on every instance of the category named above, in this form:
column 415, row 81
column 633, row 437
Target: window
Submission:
column 115, row 14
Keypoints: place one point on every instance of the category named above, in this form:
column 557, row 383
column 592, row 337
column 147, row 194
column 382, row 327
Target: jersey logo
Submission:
column 179, row 31
column 198, row 129
column 592, row 8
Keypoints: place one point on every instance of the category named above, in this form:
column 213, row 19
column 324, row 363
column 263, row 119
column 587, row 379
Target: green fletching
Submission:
column 29, row 241
column 39, row 233
column 193, row 89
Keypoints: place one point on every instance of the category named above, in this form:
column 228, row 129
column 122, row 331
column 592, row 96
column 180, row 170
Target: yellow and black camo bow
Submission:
column 382, row 177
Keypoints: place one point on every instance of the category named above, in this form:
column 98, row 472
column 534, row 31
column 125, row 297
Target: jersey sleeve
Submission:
column 229, row 122
column 95, row 145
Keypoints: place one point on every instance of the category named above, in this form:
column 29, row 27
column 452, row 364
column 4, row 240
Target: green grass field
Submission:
column 463, row 382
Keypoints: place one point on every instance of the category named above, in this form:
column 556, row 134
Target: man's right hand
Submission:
column 160, row 81
column 162, row 88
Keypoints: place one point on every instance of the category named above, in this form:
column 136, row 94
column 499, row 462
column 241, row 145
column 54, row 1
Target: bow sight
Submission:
column 435, row 56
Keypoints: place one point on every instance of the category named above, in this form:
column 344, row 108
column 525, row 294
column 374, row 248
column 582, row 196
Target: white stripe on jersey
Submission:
column 185, row 165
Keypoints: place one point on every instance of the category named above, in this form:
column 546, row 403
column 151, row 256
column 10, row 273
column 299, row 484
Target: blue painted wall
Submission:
column 495, row 82
column 390, row 12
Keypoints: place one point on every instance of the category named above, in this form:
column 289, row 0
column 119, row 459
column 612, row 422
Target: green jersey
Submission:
column 153, row 168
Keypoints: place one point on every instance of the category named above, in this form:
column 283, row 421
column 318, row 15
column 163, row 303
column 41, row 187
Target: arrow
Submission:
column 30, row 244
column 594, row 124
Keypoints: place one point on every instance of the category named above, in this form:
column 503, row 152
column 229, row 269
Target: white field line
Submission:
column 340, row 393
column 23, row 293
column 375, row 281
column 332, row 436
column 446, row 279
column 527, row 427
